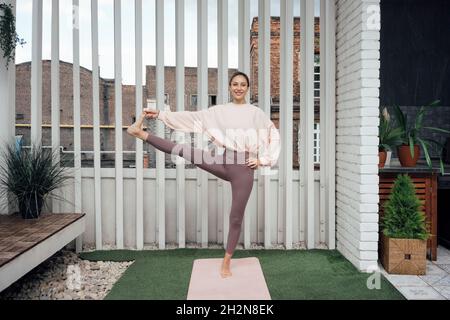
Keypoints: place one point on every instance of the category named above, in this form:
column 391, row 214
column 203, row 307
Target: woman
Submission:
column 249, row 137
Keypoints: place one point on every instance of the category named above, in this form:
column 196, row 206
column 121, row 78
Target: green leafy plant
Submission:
column 402, row 216
column 8, row 36
column 30, row 175
column 389, row 135
column 412, row 132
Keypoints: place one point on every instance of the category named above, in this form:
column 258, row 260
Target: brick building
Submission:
column 275, row 57
column 275, row 72
column 107, row 111
column 107, row 106
column 107, row 97
column 190, row 88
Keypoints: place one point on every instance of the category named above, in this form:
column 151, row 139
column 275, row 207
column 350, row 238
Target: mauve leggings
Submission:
column 229, row 166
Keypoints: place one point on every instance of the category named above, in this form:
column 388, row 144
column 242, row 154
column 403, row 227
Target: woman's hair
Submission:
column 239, row 73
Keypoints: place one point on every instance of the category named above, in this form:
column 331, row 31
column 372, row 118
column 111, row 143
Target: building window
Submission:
column 316, row 148
column 316, row 79
column 193, row 100
column 316, row 129
column 19, row 116
column 151, row 103
column 316, row 142
column 212, row 100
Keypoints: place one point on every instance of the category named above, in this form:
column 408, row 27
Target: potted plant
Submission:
column 404, row 241
column 8, row 36
column 409, row 151
column 389, row 137
column 30, row 175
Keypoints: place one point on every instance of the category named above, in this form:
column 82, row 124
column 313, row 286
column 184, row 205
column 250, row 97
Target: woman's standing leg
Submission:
column 241, row 178
column 241, row 189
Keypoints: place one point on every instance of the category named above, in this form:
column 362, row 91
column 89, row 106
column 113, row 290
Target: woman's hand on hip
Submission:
column 252, row 163
column 150, row 113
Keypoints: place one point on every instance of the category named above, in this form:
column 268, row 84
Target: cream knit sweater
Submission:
column 240, row 127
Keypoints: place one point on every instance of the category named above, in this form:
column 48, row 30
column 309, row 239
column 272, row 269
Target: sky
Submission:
column 106, row 33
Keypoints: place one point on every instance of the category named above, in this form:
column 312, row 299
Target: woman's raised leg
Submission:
column 213, row 165
column 202, row 159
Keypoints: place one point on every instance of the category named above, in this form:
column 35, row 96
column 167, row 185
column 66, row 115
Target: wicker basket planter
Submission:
column 404, row 256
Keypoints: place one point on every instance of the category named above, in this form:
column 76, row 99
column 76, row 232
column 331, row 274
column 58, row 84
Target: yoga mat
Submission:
column 246, row 283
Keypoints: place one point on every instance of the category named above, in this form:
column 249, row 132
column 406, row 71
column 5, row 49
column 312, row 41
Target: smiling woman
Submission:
column 256, row 145
column 239, row 84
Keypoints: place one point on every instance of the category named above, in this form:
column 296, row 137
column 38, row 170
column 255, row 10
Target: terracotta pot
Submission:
column 382, row 156
column 404, row 155
column 146, row 160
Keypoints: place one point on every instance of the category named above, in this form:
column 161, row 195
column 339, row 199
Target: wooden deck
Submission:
column 25, row 243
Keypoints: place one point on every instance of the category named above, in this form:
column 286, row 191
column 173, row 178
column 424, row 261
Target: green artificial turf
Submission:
column 290, row 274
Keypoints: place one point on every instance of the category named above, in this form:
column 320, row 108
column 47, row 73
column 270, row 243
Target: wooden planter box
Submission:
column 404, row 256
column 425, row 184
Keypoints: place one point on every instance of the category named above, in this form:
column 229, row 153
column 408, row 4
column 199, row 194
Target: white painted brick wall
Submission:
column 357, row 102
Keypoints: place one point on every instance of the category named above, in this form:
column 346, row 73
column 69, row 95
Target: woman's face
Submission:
column 238, row 87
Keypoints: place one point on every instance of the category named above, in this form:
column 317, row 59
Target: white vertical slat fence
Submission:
column 282, row 216
column 328, row 115
column 96, row 125
column 244, row 66
column 180, row 100
column 202, row 104
column 264, row 98
column 222, row 97
column 286, row 120
column 118, row 123
column 76, row 107
column 139, row 142
column 36, row 73
column 160, row 157
column 307, row 194
column 55, row 93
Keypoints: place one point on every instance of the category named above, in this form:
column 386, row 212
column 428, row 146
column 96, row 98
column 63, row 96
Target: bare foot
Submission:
column 225, row 272
column 136, row 129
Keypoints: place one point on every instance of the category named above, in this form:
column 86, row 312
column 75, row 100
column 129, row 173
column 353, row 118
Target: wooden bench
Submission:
column 25, row 243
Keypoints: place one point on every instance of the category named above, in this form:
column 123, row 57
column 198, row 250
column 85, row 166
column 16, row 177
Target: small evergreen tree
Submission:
column 402, row 216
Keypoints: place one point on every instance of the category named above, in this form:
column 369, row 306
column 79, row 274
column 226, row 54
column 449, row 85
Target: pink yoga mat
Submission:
column 246, row 283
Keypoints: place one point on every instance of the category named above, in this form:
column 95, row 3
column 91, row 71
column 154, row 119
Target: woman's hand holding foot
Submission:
column 136, row 128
